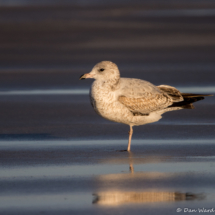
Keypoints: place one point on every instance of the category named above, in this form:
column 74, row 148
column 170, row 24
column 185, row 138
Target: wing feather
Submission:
column 147, row 104
column 174, row 93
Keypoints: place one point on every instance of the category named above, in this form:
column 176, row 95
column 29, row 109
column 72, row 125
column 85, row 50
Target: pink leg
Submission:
column 129, row 140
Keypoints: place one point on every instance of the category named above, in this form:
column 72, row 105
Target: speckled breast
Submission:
column 105, row 103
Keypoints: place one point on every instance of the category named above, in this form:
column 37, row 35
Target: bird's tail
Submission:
column 181, row 100
column 191, row 95
column 189, row 98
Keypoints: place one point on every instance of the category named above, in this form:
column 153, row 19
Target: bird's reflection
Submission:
column 118, row 196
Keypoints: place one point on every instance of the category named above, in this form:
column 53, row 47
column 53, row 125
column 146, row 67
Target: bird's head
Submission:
column 104, row 71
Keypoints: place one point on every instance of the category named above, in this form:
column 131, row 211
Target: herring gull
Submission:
column 132, row 101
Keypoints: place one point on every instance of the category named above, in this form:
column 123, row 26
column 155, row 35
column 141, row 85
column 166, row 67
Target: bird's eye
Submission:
column 101, row 70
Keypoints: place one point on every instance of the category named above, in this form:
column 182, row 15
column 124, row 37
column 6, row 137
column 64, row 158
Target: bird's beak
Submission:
column 87, row 75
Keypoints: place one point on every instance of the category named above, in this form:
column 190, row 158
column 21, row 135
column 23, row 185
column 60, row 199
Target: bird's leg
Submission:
column 129, row 140
column 130, row 158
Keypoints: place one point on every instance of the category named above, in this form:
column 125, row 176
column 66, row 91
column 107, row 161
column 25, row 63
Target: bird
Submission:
column 133, row 101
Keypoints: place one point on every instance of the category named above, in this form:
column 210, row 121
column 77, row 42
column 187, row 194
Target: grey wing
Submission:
column 142, row 97
column 174, row 93
column 136, row 88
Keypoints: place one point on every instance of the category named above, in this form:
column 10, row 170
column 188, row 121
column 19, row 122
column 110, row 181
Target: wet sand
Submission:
column 57, row 156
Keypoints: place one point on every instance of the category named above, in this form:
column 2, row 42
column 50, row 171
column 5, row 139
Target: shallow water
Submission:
column 191, row 89
column 65, row 175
